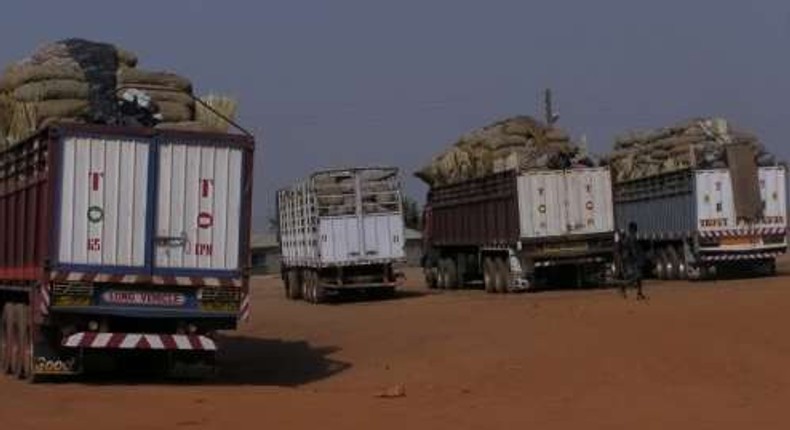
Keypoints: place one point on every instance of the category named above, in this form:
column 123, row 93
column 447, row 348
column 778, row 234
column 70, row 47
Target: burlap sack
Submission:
column 129, row 77
column 175, row 112
column 54, row 89
column 177, row 96
column 182, row 126
column 20, row 74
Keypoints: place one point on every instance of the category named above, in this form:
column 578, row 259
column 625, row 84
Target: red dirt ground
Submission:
column 703, row 355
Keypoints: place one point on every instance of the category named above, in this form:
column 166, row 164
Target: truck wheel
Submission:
column 672, row 263
column 304, row 284
column 502, row 275
column 25, row 349
column 489, row 277
column 5, row 339
column 660, row 267
column 682, row 265
column 451, row 270
column 14, row 341
column 294, row 285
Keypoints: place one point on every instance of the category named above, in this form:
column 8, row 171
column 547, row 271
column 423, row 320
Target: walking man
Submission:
column 631, row 261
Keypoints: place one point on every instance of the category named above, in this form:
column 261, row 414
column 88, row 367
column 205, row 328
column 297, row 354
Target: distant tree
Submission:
column 274, row 224
column 412, row 214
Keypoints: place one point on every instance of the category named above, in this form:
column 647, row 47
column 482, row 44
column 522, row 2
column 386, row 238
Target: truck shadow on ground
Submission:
column 345, row 297
column 243, row 361
column 253, row 361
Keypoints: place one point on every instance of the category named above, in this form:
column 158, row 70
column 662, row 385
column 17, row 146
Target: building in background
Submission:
column 266, row 252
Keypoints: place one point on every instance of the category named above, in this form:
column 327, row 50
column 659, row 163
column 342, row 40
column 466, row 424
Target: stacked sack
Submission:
column 83, row 81
column 518, row 143
column 69, row 80
column 335, row 194
column 696, row 143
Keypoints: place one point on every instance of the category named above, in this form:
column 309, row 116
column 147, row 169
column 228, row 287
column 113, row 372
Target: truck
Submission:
column 515, row 230
column 121, row 240
column 689, row 226
column 341, row 230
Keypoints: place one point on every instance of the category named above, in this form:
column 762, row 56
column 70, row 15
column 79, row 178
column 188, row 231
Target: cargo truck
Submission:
column 688, row 223
column 509, row 230
column 340, row 230
column 121, row 239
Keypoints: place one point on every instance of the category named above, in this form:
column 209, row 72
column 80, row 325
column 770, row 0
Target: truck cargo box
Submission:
column 94, row 201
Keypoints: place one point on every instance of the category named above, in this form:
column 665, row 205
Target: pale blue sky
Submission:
column 325, row 83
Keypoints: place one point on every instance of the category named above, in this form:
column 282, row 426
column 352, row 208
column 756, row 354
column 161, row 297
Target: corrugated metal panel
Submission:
column 672, row 215
column 541, row 201
column 773, row 181
column 561, row 203
column 199, row 206
column 480, row 212
column 590, row 200
column 383, row 236
column 103, row 201
column 340, row 240
column 715, row 207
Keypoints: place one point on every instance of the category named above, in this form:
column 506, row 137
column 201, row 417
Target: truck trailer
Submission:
column 511, row 229
column 339, row 230
column 121, row 239
column 689, row 226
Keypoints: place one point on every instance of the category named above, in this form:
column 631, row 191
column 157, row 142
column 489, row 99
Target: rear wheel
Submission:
column 15, row 341
column 502, row 275
column 25, row 350
column 682, row 265
column 452, row 274
column 672, row 263
column 5, row 339
column 304, row 284
column 659, row 264
column 293, row 288
column 489, row 276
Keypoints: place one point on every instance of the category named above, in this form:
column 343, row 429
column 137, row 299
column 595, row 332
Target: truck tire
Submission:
column 682, row 265
column 659, row 265
column 502, row 271
column 5, row 340
column 25, row 351
column 304, row 284
column 293, row 285
column 452, row 274
column 14, row 341
column 672, row 263
column 489, row 276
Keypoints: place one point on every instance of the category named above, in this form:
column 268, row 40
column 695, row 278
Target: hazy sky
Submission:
column 345, row 82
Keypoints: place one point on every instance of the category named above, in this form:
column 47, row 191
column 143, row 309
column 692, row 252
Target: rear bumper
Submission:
column 768, row 254
column 139, row 341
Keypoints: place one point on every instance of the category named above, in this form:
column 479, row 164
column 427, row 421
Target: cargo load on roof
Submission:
column 76, row 80
column 518, row 143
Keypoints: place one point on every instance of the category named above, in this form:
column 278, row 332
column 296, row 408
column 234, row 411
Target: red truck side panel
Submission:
column 480, row 212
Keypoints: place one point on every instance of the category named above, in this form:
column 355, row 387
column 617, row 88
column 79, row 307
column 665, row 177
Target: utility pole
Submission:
column 551, row 116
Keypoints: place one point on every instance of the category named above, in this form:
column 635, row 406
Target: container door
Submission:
column 541, row 200
column 383, row 236
column 104, row 204
column 715, row 208
column 589, row 201
column 198, row 207
column 772, row 190
column 339, row 239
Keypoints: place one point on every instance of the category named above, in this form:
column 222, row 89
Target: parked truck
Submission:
column 121, row 239
column 688, row 223
column 508, row 230
column 339, row 230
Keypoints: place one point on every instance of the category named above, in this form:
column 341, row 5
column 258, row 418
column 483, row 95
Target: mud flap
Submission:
column 50, row 359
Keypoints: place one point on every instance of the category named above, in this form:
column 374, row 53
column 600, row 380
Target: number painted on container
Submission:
column 204, row 249
column 95, row 180
column 205, row 220
column 206, row 185
column 94, row 244
column 95, row 214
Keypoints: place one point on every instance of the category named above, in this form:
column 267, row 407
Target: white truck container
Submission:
column 510, row 229
column 688, row 224
column 341, row 229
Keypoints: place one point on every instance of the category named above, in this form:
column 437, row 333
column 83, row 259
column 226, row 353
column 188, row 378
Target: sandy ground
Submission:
column 704, row 355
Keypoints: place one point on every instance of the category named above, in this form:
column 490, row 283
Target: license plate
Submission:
column 741, row 240
column 140, row 298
